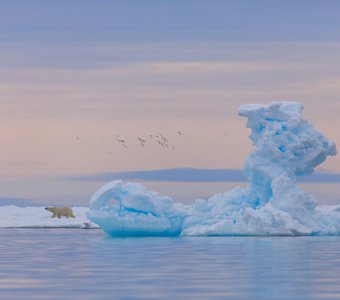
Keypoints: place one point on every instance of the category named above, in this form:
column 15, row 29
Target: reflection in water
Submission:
column 85, row 264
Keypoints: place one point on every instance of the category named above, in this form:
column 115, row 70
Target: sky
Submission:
column 75, row 74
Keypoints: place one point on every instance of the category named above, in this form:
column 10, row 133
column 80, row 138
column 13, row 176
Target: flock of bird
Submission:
column 157, row 138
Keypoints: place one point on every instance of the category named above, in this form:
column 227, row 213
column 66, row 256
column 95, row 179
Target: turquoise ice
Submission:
column 286, row 146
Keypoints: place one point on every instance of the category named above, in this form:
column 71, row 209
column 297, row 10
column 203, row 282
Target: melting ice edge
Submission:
column 286, row 146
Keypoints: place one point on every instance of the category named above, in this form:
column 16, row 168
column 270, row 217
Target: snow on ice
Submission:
column 12, row 216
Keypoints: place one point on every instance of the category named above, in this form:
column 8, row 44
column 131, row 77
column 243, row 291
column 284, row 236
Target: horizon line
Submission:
column 194, row 175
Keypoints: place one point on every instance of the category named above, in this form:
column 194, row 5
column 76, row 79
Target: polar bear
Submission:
column 61, row 212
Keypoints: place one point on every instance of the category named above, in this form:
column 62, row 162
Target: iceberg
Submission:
column 135, row 211
column 286, row 146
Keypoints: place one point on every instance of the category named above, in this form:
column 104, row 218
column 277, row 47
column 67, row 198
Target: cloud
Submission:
column 17, row 201
column 169, row 175
column 202, row 67
column 194, row 175
column 321, row 177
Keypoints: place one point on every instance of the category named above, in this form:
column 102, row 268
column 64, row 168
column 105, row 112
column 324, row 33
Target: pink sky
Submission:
column 69, row 71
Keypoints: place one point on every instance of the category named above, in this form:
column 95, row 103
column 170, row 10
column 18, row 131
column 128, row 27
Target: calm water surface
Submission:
column 86, row 264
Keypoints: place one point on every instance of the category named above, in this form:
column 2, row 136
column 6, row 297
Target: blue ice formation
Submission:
column 286, row 146
column 135, row 211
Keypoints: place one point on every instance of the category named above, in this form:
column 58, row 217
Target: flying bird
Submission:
column 142, row 141
column 180, row 133
column 121, row 142
column 164, row 139
column 163, row 144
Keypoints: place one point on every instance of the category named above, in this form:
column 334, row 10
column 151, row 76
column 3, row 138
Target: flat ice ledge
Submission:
column 37, row 217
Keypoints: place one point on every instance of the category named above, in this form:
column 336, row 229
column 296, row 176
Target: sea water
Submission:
column 86, row 264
